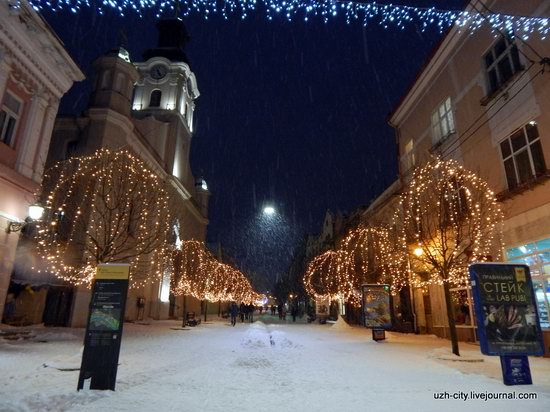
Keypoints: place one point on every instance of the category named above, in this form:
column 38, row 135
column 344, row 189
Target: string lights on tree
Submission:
column 377, row 256
column 451, row 218
column 330, row 275
column 197, row 273
column 366, row 12
column 108, row 207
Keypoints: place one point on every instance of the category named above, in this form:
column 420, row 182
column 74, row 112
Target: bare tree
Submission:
column 450, row 219
column 105, row 208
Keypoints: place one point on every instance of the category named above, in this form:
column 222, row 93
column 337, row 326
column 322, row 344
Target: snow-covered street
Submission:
column 260, row 367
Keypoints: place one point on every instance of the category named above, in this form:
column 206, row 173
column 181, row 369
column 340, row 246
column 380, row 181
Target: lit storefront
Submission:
column 536, row 255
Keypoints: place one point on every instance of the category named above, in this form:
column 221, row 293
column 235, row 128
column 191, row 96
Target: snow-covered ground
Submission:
column 260, row 367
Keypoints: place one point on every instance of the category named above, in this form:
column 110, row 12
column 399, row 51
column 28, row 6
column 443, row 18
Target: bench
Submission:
column 191, row 319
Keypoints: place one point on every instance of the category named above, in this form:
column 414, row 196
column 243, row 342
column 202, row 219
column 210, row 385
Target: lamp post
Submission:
column 35, row 212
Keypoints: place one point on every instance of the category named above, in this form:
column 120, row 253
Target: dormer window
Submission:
column 154, row 101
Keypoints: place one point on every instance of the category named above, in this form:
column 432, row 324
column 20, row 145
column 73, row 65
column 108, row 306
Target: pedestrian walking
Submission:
column 234, row 312
column 294, row 312
column 251, row 309
column 242, row 311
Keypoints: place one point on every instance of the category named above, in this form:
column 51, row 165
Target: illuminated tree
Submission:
column 330, row 275
column 108, row 207
column 197, row 273
column 450, row 219
column 377, row 255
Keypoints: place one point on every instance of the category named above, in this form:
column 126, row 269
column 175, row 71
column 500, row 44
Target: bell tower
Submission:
column 115, row 76
column 167, row 85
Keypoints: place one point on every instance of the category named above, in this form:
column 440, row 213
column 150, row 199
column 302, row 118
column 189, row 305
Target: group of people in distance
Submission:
column 246, row 312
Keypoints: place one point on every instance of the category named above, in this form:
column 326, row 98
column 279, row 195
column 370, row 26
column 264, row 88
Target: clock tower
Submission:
column 166, row 91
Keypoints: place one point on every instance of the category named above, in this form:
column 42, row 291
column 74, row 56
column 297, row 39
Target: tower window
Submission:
column 155, row 98
column 105, row 80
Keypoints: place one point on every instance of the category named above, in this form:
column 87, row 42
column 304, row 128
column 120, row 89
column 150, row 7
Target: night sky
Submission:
column 290, row 113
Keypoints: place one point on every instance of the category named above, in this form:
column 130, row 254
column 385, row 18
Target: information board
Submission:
column 505, row 307
column 104, row 327
column 376, row 306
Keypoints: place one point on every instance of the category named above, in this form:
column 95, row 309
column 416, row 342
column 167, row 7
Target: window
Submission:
column 455, row 202
column 461, row 299
column 501, row 63
column 10, row 112
column 105, row 80
column 72, row 147
column 155, row 98
column 409, row 156
column 443, row 123
column 119, row 83
column 536, row 255
column 522, row 155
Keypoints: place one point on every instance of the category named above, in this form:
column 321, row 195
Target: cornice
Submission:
column 32, row 46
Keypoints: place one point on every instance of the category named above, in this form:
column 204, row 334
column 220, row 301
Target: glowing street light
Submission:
column 269, row 210
column 418, row 252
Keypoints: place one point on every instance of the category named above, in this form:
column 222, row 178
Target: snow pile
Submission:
column 256, row 336
column 341, row 324
column 279, row 340
column 66, row 362
column 448, row 355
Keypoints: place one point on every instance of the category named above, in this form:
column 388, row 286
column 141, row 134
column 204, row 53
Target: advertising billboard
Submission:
column 505, row 307
column 376, row 306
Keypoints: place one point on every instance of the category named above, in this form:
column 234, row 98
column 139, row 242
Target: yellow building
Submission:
column 483, row 99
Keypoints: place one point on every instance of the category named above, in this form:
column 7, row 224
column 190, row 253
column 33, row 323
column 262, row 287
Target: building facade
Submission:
column 483, row 99
column 146, row 108
column 35, row 72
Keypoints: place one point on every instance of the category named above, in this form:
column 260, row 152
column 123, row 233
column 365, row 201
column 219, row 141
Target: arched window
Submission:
column 155, row 98
column 105, row 80
column 119, row 83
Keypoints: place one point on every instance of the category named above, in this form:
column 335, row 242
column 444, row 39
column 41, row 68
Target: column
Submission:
column 33, row 122
column 44, row 143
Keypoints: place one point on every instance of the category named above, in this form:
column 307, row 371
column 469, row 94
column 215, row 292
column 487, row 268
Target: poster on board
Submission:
column 376, row 306
column 322, row 307
column 505, row 307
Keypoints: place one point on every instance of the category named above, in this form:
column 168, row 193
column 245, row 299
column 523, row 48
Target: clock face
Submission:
column 158, row 71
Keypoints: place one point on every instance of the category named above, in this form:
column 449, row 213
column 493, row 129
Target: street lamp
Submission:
column 36, row 210
column 269, row 210
column 418, row 252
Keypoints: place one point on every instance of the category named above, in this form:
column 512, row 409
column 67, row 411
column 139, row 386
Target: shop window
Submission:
column 501, row 63
column 443, row 124
column 462, row 303
column 536, row 255
column 522, row 156
column 10, row 112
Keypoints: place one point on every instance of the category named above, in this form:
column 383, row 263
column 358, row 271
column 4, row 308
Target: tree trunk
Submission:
column 205, row 309
column 451, row 318
column 184, row 313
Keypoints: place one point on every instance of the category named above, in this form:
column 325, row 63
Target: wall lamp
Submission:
column 36, row 210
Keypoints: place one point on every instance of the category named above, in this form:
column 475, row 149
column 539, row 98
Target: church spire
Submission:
column 172, row 39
